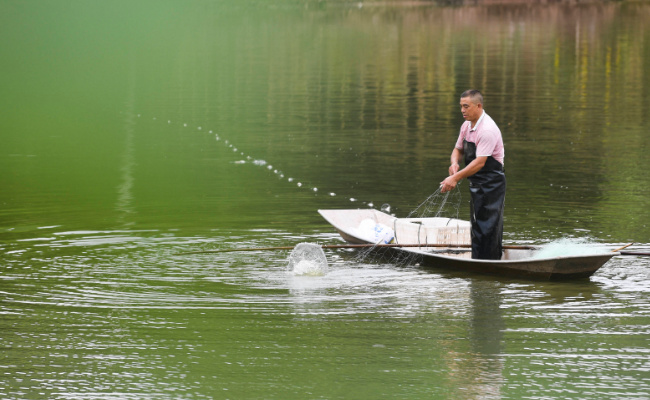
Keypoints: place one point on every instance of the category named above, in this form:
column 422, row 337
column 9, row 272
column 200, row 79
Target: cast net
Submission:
column 445, row 207
column 439, row 205
column 308, row 259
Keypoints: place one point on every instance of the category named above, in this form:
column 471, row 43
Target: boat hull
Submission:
column 558, row 268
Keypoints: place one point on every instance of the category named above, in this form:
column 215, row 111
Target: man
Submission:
column 481, row 145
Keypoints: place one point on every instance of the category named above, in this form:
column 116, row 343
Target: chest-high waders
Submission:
column 488, row 190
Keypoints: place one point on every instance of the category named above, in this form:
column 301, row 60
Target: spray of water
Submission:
column 307, row 259
column 248, row 159
column 567, row 247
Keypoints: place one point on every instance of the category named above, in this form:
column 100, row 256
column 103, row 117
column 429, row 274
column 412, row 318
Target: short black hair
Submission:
column 474, row 94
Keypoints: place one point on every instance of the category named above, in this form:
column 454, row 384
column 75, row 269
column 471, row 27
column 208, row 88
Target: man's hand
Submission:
column 449, row 183
column 460, row 174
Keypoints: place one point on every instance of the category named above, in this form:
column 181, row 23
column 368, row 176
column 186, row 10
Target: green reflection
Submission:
column 360, row 102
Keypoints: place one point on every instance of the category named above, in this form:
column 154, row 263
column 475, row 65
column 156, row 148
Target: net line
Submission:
column 436, row 205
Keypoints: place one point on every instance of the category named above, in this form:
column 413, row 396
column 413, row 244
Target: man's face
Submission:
column 471, row 111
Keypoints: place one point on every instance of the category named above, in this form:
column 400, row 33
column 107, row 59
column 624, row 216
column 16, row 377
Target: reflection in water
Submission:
column 486, row 336
column 368, row 100
column 125, row 189
column 478, row 367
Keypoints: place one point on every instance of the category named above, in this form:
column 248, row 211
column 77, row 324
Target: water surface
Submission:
column 131, row 133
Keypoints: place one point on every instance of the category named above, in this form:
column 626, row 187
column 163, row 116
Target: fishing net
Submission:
column 307, row 259
column 439, row 205
column 445, row 206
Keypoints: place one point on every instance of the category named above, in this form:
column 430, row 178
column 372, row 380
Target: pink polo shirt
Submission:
column 486, row 135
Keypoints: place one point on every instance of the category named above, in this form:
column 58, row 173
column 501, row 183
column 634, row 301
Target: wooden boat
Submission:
column 432, row 235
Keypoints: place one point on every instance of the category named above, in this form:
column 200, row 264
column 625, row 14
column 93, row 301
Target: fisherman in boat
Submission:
column 481, row 144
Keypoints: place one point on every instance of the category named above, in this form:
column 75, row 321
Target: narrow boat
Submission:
column 443, row 243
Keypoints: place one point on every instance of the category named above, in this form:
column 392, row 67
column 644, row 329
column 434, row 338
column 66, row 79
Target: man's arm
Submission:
column 455, row 158
column 452, row 180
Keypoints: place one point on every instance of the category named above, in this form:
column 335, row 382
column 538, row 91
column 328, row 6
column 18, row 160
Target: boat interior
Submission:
column 373, row 226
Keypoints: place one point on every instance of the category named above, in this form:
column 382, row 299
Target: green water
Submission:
column 133, row 131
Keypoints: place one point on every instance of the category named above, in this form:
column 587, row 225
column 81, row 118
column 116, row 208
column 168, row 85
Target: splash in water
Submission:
column 307, row 259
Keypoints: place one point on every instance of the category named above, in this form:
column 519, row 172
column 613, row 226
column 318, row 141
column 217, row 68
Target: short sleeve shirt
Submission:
column 486, row 135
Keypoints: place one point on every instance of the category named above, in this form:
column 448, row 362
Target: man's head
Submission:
column 471, row 105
